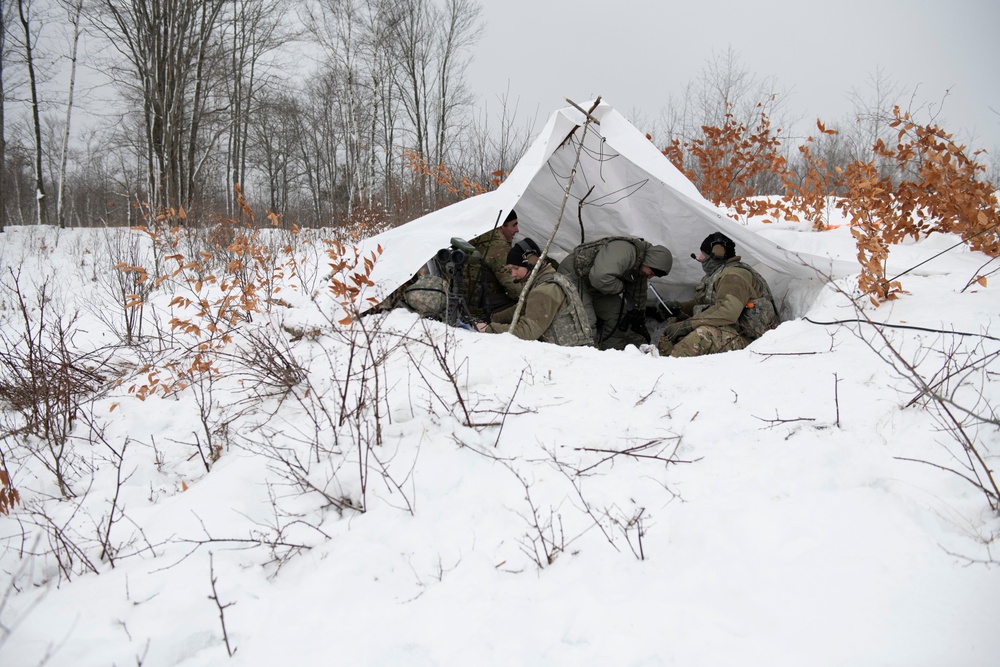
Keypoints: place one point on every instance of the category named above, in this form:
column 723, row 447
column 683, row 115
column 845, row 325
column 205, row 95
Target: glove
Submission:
column 677, row 330
column 656, row 313
column 674, row 308
column 636, row 320
column 631, row 319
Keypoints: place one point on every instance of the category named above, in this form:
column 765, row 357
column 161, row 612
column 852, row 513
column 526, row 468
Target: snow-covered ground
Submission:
column 524, row 504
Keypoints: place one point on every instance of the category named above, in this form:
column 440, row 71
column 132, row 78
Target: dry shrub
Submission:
column 728, row 162
column 438, row 174
column 939, row 188
column 934, row 185
column 44, row 379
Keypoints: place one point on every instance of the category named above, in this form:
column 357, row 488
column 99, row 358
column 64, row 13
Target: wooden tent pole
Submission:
column 572, row 175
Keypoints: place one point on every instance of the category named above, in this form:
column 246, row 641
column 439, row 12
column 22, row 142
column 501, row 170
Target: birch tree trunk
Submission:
column 384, row 112
column 353, row 33
column 74, row 10
column 412, row 40
column 3, row 133
column 252, row 32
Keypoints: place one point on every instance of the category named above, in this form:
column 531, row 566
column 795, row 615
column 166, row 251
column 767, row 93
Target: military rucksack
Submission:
column 586, row 253
column 758, row 317
column 428, row 296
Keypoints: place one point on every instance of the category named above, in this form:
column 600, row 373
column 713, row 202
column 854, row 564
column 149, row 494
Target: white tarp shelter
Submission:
column 623, row 186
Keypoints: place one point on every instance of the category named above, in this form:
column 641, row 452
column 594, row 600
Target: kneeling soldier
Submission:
column 552, row 310
column 732, row 307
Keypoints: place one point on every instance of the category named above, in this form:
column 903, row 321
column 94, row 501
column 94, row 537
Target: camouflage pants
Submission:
column 604, row 311
column 704, row 340
column 607, row 309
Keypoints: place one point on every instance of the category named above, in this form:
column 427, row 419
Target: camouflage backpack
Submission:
column 587, row 253
column 571, row 327
column 428, row 296
column 759, row 317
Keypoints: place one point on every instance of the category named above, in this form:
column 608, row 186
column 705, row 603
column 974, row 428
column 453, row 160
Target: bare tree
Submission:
column 168, row 45
column 459, row 30
column 431, row 46
column 385, row 112
column 272, row 139
column 872, row 115
column 252, row 31
column 412, row 44
column 723, row 86
column 361, row 39
column 73, row 8
column 24, row 14
column 488, row 149
column 319, row 145
column 727, row 95
column 4, row 12
column 339, row 27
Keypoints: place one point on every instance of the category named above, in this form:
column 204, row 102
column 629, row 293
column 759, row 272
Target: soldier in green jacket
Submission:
column 488, row 285
column 552, row 310
column 733, row 305
column 612, row 275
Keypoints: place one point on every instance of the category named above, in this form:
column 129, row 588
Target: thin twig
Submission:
column 646, row 397
column 503, row 419
column 836, row 397
column 778, row 420
column 222, row 607
column 946, row 469
column 900, row 326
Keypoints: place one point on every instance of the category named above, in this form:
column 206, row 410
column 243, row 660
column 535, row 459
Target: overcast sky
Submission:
column 637, row 53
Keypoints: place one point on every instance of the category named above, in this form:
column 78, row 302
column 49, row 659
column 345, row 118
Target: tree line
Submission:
column 341, row 112
column 307, row 106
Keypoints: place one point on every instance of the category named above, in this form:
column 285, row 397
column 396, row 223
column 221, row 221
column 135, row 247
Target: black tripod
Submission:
column 451, row 261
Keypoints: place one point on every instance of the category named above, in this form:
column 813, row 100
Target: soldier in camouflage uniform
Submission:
column 733, row 306
column 488, row 284
column 552, row 310
column 612, row 276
